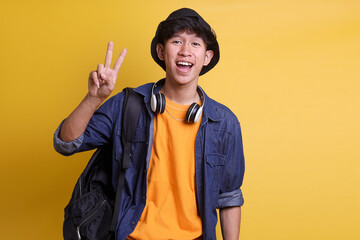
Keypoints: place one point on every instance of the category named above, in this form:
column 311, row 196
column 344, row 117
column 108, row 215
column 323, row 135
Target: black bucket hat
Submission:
column 182, row 13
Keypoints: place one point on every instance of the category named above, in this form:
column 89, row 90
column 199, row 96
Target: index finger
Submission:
column 109, row 53
column 120, row 60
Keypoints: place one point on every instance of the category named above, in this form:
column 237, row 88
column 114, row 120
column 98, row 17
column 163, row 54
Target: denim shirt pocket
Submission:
column 214, row 169
column 138, row 147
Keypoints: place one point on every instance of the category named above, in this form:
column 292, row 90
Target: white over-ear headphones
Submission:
column 194, row 112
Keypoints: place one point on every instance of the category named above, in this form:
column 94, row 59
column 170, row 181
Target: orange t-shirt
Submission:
column 171, row 210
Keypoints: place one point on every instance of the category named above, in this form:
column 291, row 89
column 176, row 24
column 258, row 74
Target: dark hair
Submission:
column 169, row 27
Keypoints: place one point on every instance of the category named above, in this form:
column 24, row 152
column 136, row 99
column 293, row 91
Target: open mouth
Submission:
column 184, row 66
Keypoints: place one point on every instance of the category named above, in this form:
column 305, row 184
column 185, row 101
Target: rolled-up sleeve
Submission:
column 66, row 148
column 231, row 199
column 232, row 179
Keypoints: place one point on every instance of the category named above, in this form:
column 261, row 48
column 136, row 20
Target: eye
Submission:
column 176, row 42
column 196, row 44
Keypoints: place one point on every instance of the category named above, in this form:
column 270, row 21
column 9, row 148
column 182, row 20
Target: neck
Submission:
column 181, row 94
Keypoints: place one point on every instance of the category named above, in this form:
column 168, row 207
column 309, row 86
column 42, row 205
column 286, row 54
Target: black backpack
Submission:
column 93, row 209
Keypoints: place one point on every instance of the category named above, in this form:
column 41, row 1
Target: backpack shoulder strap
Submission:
column 131, row 112
column 133, row 103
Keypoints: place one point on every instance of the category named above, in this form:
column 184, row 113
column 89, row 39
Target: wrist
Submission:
column 93, row 102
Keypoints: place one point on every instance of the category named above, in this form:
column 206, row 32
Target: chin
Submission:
column 183, row 79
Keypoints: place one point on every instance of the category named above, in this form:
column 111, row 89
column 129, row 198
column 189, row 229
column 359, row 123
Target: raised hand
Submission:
column 102, row 82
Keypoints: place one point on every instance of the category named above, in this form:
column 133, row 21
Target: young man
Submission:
column 187, row 156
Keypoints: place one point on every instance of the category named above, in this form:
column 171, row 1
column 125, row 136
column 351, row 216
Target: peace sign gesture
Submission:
column 101, row 82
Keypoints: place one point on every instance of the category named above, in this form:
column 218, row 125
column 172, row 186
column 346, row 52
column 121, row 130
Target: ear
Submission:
column 208, row 56
column 160, row 51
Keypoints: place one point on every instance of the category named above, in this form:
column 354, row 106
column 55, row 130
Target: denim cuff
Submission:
column 66, row 148
column 231, row 199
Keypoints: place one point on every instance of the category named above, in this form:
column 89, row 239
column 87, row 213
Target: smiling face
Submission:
column 184, row 55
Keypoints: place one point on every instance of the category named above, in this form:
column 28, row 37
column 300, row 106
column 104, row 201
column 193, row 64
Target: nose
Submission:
column 185, row 49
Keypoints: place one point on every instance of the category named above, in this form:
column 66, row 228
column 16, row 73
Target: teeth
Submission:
column 184, row 63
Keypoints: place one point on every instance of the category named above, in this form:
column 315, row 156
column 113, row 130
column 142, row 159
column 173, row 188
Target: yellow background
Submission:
column 288, row 69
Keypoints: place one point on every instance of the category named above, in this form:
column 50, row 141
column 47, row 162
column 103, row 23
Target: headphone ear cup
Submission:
column 192, row 115
column 157, row 103
column 198, row 114
column 153, row 103
column 160, row 106
column 162, row 103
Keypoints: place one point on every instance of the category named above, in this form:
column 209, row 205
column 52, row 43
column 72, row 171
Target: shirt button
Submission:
column 143, row 197
column 133, row 222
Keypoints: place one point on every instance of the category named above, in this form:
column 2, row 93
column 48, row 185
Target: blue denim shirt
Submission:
column 219, row 159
